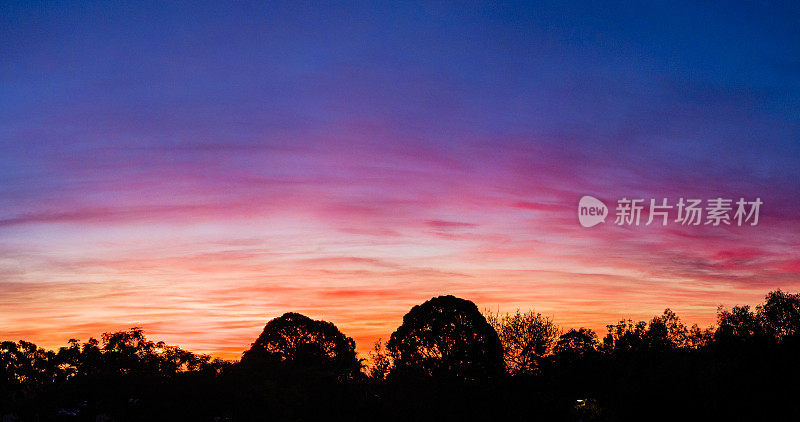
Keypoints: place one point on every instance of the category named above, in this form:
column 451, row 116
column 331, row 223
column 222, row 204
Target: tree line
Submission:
column 446, row 361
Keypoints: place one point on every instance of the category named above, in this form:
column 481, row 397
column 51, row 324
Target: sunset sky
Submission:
column 198, row 169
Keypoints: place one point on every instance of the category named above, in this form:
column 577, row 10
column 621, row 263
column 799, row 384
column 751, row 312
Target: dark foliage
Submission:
column 300, row 369
column 297, row 342
column 527, row 338
column 446, row 337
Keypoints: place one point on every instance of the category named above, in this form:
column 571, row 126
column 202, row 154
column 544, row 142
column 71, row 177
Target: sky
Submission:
column 197, row 169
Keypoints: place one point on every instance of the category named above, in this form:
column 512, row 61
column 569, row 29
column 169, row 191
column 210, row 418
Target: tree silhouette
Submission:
column 302, row 369
column 25, row 371
column 740, row 324
column 626, row 336
column 380, row 363
column 666, row 331
column 697, row 337
column 577, row 342
column 781, row 314
column 526, row 338
column 446, row 337
column 299, row 342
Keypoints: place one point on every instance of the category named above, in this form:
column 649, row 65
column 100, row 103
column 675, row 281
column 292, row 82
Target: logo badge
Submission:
column 591, row 211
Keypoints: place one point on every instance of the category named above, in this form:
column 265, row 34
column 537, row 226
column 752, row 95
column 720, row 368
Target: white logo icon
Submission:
column 591, row 211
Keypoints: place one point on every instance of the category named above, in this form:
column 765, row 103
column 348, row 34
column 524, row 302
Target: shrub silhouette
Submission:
column 296, row 341
column 446, row 337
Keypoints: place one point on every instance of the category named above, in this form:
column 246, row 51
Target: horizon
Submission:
column 198, row 173
column 363, row 350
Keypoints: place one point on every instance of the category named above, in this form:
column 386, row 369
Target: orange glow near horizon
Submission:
column 183, row 284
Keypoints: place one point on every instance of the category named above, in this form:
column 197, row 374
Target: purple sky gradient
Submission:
column 199, row 169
